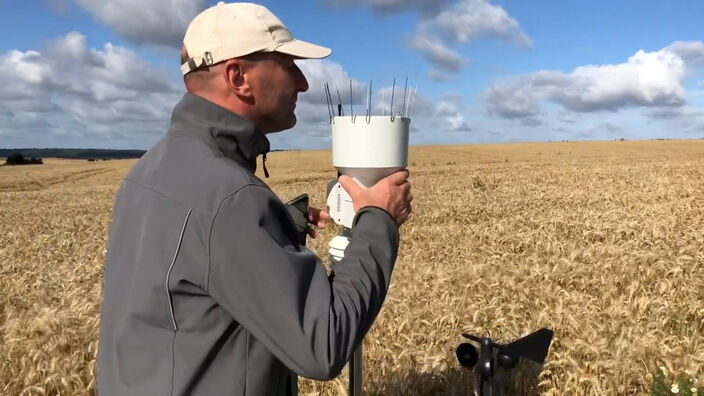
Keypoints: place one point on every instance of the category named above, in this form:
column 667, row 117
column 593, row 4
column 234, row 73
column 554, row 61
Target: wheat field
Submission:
column 603, row 242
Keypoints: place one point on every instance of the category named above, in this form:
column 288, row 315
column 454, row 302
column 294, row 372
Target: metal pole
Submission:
column 356, row 371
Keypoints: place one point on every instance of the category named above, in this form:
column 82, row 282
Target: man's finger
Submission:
column 350, row 185
column 400, row 177
column 322, row 219
column 311, row 232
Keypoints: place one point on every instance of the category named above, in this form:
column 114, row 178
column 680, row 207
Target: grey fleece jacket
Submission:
column 206, row 289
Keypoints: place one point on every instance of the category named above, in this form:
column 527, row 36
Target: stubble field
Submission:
column 603, row 242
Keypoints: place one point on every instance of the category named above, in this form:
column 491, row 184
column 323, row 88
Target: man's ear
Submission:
column 238, row 78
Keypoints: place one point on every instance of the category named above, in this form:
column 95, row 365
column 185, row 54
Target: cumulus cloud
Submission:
column 321, row 71
column 646, row 79
column 393, row 6
column 444, row 60
column 686, row 118
column 691, row 52
column 73, row 90
column 462, row 23
column 457, row 123
column 417, row 105
column 444, row 24
column 146, row 21
column 470, row 19
column 71, row 94
column 512, row 98
column 449, row 112
column 312, row 104
column 445, row 108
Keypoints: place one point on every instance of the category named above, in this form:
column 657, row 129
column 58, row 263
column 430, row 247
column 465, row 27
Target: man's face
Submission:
column 276, row 82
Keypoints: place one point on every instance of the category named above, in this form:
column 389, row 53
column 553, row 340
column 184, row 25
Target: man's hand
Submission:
column 318, row 219
column 392, row 193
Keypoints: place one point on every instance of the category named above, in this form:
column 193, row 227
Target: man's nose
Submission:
column 301, row 82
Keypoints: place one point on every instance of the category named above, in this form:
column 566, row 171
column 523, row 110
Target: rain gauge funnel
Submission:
column 368, row 152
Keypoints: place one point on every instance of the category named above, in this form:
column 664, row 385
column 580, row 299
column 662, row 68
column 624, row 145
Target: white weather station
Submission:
column 367, row 148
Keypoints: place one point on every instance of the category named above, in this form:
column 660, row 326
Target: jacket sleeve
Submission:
column 280, row 291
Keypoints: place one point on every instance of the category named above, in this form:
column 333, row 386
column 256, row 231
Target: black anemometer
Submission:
column 491, row 355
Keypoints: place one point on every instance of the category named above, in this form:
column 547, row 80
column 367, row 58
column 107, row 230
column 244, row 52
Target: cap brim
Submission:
column 303, row 49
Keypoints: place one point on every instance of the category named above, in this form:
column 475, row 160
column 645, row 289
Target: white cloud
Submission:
column 69, row 94
column 444, row 60
column 147, row 21
column 393, row 6
column 684, row 119
column 457, row 123
column 669, row 113
column 648, row 79
column 312, row 104
column 444, row 24
column 691, row 52
column 470, row 19
column 448, row 113
column 512, row 98
column 416, row 103
column 446, row 108
column 71, row 90
column 321, row 71
column 462, row 23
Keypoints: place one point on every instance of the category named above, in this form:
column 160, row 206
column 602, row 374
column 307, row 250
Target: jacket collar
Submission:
column 235, row 136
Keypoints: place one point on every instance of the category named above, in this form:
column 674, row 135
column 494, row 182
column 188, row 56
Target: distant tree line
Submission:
column 73, row 153
column 19, row 159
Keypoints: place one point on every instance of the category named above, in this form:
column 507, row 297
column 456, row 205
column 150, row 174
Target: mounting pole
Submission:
column 356, row 371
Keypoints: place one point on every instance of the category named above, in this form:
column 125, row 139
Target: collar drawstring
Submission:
column 266, row 172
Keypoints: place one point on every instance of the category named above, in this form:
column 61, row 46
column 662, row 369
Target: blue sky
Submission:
column 83, row 73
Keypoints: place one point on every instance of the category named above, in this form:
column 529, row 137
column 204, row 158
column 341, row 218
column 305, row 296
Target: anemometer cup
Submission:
column 467, row 355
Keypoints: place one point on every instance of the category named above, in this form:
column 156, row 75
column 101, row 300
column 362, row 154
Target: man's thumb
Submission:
column 349, row 185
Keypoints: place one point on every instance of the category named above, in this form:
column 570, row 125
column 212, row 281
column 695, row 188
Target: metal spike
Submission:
column 405, row 90
column 369, row 102
column 340, row 110
column 351, row 103
column 393, row 88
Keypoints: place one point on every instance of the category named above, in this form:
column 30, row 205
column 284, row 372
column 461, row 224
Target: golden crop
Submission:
column 603, row 242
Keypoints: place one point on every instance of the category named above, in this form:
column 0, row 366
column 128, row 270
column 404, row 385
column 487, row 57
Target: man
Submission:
column 207, row 290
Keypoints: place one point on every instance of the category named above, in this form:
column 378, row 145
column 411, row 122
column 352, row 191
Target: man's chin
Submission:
column 290, row 124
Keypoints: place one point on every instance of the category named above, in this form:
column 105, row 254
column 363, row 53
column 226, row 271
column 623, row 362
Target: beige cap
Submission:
column 228, row 31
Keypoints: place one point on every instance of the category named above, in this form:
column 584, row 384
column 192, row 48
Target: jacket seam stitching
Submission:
column 171, row 306
column 212, row 224
column 246, row 360
column 173, row 363
column 171, row 267
column 152, row 189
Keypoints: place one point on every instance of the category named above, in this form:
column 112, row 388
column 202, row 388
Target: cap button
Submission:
column 221, row 2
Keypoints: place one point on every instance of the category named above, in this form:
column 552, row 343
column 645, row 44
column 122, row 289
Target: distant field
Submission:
column 603, row 242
